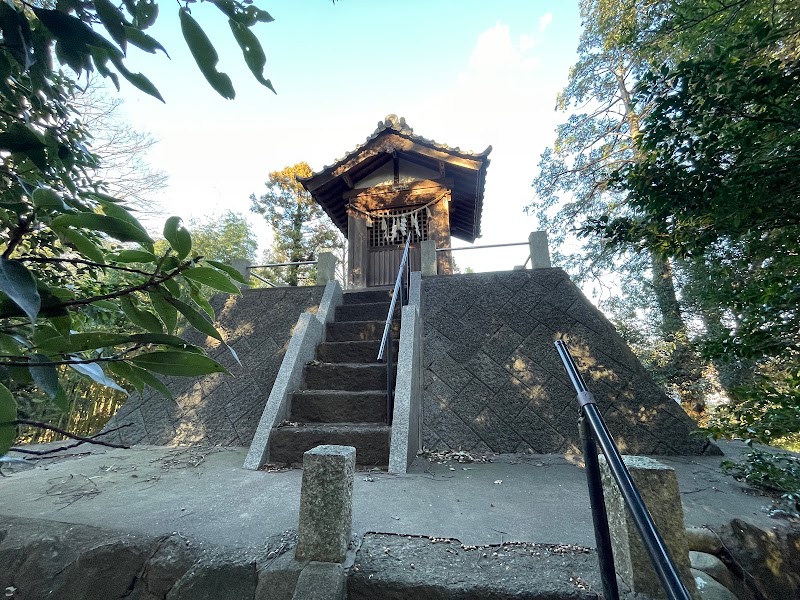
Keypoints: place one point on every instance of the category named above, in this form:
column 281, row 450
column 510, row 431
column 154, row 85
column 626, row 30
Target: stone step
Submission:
column 365, row 311
column 367, row 296
column 353, row 377
column 353, row 331
column 371, row 441
column 338, row 406
column 447, row 570
column 352, row 352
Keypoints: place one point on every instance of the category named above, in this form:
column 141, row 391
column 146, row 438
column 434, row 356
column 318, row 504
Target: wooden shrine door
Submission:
column 387, row 241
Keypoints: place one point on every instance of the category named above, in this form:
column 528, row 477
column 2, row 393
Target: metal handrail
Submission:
column 285, row 264
column 481, row 247
column 593, row 428
column 387, row 333
column 296, row 263
column 397, row 286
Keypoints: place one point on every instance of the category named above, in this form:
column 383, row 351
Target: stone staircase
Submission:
column 342, row 399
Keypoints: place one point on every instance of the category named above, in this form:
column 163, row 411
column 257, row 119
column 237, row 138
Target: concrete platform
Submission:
column 204, row 494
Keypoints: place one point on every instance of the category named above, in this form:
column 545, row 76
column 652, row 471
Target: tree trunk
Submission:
column 683, row 368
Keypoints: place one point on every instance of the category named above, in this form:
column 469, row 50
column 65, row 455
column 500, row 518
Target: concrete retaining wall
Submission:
column 222, row 409
column 493, row 380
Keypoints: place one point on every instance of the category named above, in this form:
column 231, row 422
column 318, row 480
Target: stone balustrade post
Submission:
column 428, row 257
column 326, row 267
column 658, row 485
column 243, row 266
column 326, row 503
column 540, row 252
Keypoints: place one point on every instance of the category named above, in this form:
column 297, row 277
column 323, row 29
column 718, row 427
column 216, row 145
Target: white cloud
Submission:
column 545, row 20
column 495, row 51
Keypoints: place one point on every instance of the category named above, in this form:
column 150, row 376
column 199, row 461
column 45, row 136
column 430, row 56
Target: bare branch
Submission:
column 81, row 439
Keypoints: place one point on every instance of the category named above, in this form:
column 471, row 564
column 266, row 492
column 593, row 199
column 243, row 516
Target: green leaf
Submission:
column 258, row 14
column 178, row 237
column 19, row 285
column 143, row 318
column 45, row 197
column 113, row 21
column 45, row 376
column 137, row 79
column 133, row 256
column 125, row 372
column 196, row 295
column 212, row 278
column 165, row 310
column 205, row 55
column 8, row 414
column 181, row 364
column 232, row 272
column 95, row 372
column 82, row 244
column 164, row 339
column 73, row 32
column 146, row 13
column 172, row 287
column 140, row 39
column 112, row 208
column 79, row 342
column 253, row 53
column 196, row 319
column 116, row 228
column 62, row 323
column 45, row 336
column 143, row 375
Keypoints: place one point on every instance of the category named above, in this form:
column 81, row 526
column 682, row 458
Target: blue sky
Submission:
column 465, row 73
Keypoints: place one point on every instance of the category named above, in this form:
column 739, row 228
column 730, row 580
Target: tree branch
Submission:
column 81, row 439
column 57, row 363
column 80, row 261
column 23, row 226
column 154, row 281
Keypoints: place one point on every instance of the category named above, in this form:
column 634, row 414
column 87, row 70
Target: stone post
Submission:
column 658, row 486
column 428, row 257
column 243, row 266
column 326, row 267
column 326, row 503
column 540, row 253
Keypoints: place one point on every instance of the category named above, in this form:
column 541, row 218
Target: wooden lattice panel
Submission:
column 380, row 237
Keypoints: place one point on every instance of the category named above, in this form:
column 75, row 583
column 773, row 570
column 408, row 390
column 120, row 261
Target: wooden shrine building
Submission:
column 398, row 183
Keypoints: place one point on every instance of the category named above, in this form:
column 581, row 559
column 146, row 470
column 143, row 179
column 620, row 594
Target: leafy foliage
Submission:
column 224, row 237
column 299, row 226
column 82, row 288
column 573, row 183
column 778, row 473
column 715, row 189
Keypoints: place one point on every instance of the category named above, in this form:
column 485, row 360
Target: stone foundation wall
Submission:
column 493, row 380
column 222, row 409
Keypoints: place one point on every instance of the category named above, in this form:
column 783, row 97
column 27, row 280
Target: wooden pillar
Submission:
column 357, row 251
column 439, row 231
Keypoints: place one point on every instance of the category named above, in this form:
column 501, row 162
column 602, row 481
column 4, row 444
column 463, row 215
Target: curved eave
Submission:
column 468, row 171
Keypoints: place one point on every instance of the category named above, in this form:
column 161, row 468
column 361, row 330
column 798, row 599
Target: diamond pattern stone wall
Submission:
column 493, row 381
column 222, row 409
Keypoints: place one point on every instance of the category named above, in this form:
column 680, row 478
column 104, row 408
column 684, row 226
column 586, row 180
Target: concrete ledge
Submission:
column 331, row 298
column 406, row 423
column 308, row 334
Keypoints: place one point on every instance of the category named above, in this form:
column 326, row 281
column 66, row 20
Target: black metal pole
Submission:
column 389, row 380
column 653, row 542
column 651, row 538
column 605, row 553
